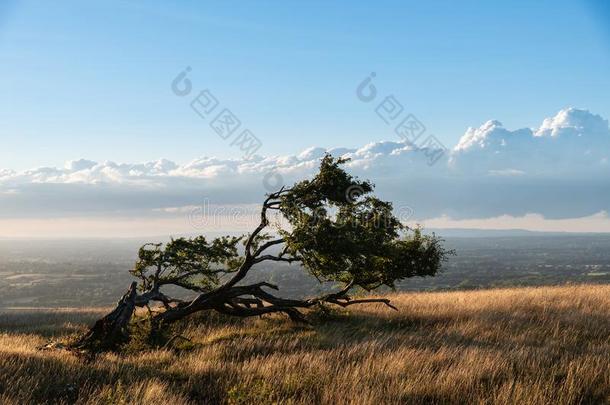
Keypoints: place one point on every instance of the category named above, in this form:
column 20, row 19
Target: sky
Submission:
column 86, row 100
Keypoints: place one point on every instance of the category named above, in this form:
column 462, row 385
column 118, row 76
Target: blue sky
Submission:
column 517, row 91
column 92, row 79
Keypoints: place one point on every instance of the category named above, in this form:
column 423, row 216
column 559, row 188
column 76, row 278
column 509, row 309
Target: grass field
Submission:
column 546, row 345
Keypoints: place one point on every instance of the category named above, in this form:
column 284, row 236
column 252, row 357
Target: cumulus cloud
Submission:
column 558, row 170
column 576, row 123
column 573, row 142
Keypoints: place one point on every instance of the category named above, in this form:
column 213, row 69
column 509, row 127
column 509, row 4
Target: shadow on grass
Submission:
column 47, row 322
column 476, row 330
column 49, row 378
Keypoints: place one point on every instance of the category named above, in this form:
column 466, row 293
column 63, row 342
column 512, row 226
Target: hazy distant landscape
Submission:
column 66, row 273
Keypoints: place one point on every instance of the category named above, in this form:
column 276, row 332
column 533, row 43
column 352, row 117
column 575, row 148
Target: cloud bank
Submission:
column 573, row 143
column 558, row 170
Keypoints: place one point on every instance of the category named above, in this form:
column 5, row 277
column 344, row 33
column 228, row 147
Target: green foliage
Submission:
column 330, row 186
column 340, row 236
column 190, row 263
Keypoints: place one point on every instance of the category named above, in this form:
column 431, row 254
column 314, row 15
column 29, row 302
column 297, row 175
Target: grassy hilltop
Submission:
column 546, row 345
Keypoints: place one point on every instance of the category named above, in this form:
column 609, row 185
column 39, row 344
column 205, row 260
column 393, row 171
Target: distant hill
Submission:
column 480, row 233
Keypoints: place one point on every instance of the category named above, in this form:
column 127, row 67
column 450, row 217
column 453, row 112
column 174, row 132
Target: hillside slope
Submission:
column 546, row 345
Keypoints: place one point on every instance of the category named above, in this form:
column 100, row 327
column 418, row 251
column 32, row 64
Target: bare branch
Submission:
column 363, row 301
column 267, row 245
column 293, row 313
column 277, row 259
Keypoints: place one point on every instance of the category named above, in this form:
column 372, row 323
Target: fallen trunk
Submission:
column 112, row 330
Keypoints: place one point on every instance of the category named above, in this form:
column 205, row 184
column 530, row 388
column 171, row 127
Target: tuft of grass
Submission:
column 523, row 345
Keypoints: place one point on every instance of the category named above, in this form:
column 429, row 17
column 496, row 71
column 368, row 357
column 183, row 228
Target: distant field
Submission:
column 547, row 345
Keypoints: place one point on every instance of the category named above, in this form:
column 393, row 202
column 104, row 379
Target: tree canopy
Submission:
column 335, row 229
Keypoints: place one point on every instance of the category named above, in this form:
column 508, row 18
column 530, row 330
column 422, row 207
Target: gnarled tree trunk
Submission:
column 112, row 329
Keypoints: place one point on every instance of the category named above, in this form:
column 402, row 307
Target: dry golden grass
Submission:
column 513, row 346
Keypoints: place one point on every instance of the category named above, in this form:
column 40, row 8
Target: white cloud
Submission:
column 573, row 141
column 81, row 164
column 574, row 122
column 559, row 170
column 507, row 172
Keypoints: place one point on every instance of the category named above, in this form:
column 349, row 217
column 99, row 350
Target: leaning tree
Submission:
column 333, row 227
